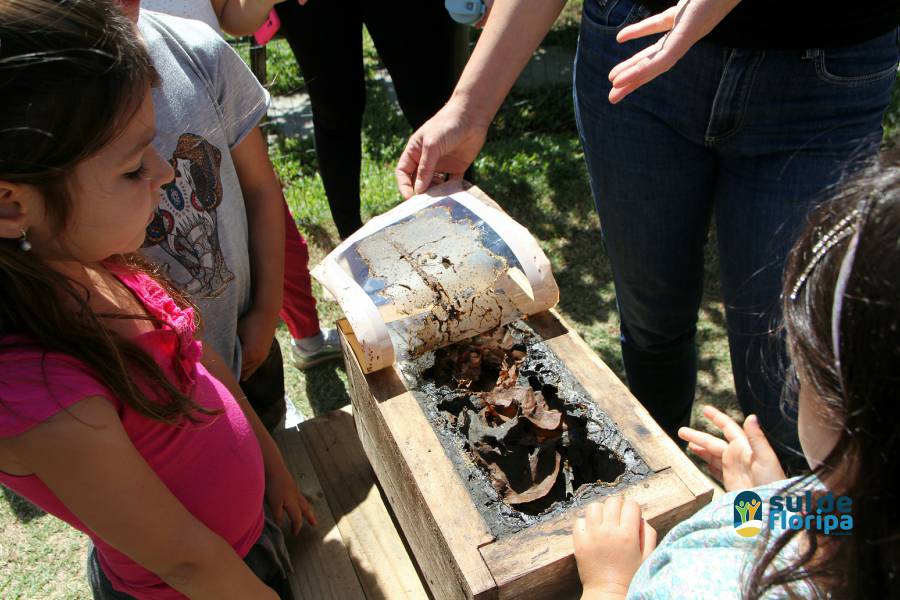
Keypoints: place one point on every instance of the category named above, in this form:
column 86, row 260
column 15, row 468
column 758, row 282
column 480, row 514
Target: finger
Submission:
column 630, row 62
column 717, row 474
column 757, row 438
column 649, row 68
column 426, row 168
column 729, row 428
column 580, row 536
column 438, row 178
column 714, row 460
column 612, row 510
column 277, row 511
column 296, row 516
column 659, row 23
column 405, row 183
column 630, row 517
column 704, row 440
column 408, row 165
column 713, row 464
column 670, row 48
column 594, row 513
column 648, row 538
column 308, row 511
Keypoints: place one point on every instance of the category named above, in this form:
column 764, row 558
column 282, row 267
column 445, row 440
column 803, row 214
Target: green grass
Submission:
column 532, row 164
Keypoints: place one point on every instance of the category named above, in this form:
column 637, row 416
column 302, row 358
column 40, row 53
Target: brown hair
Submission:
column 860, row 391
column 72, row 73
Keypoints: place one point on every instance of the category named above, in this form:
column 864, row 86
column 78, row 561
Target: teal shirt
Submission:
column 703, row 557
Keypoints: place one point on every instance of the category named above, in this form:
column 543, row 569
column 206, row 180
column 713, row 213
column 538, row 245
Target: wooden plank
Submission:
column 539, row 562
column 651, row 442
column 434, row 509
column 383, row 565
column 322, row 566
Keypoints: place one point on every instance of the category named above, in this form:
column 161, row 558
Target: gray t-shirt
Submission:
column 201, row 10
column 207, row 102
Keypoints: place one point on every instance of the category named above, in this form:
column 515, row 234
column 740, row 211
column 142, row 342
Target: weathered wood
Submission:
column 434, row 509
column 538, row 563
column 322, row 565
column 383, row 565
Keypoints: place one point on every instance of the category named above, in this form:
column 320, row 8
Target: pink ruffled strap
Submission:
column 161, row 306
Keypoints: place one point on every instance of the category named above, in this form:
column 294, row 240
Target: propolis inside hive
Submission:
column 524, row 436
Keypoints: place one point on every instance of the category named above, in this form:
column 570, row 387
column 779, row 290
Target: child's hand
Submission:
column 256, row 331
column 744, row 461
column 611, row 542
column 283, row 495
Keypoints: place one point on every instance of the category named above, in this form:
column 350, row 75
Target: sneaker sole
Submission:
column 303, row 365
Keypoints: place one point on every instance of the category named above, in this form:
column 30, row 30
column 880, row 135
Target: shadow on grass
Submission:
column 385, row 130
column 24, row 510
column 325, row 390
column 319, row 236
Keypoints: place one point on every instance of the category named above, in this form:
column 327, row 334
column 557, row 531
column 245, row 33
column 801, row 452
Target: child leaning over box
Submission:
column 112, row 416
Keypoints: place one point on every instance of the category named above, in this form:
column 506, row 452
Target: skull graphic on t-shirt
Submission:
column 185, row 225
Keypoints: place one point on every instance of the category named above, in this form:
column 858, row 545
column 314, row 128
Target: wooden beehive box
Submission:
column 455, row 549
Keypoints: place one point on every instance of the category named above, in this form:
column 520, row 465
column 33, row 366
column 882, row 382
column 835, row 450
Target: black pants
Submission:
column 415, row 40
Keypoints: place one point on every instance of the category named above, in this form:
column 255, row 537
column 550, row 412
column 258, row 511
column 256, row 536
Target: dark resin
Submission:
column 594, row 459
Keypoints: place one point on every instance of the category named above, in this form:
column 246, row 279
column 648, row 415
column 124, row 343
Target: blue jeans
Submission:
column 751, row 138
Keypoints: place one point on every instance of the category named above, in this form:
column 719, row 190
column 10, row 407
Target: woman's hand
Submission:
column 684, row 25
column 611, row 542
column 283, row 496
column 744, row 459
column 447, row 143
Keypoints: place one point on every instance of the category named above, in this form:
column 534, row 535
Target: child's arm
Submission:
column 611, row 542
column 85, row 457
column 243, row 17
column 282, row 493
column 265, row 219
column 744, row 459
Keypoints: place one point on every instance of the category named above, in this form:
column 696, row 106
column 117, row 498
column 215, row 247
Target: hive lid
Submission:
column 439, row 268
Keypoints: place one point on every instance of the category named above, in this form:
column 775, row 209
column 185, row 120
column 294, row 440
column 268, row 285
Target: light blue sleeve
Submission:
column 703, row 556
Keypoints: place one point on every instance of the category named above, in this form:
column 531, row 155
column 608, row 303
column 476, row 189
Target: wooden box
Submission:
column 455, row 550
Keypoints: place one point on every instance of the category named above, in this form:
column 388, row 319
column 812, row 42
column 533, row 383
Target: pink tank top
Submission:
column 213, row 467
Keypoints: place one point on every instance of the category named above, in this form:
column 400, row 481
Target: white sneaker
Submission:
column 315, row 350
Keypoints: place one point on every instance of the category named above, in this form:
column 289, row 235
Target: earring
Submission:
column 24, row 244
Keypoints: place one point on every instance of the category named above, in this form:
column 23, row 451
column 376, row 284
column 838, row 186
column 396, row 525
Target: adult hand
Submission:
column 283, row 496
column 744, row 459
column 684, row 25
column 611, row 542
column 256, row 332
column 447, row 143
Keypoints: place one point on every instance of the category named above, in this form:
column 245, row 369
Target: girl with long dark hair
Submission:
column 841, row 304
column 112, row 416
